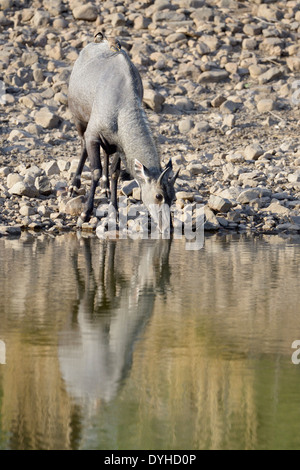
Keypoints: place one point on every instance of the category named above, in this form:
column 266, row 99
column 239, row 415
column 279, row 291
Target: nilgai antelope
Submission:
column 105, row 97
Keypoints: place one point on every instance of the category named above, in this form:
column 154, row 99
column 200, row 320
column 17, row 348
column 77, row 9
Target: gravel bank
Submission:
column 222, row 93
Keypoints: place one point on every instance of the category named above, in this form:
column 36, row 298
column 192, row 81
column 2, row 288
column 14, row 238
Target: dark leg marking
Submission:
column 93, row 151
column 114, row 174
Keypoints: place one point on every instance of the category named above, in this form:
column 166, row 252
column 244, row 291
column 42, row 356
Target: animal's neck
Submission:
column 137, row 140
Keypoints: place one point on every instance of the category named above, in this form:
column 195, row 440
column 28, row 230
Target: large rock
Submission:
column 47, row 119
column 41, row 19
column 248, row 195
column 253, row 152
column 14, row 230
column 269, row 13
column 87, row 12
column 274, row 73
column 213, row 76
column 211, row 221
column 154, row 100
column 23, row 189
column 74, row 206
column 219, row 204
column 51, row 168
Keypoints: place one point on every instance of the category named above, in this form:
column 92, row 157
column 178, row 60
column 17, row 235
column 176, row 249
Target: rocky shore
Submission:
column 222, row 94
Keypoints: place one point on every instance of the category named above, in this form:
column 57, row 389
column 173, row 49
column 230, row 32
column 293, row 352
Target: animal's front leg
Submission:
column 93, row 150
column 76, row 183
column 105, row 178
column 115, row 173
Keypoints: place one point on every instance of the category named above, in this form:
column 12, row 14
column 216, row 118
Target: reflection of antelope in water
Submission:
column 95, row 350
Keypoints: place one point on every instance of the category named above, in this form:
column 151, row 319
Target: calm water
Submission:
column 144, row 345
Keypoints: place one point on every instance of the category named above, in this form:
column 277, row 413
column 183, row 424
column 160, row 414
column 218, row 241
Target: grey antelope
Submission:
column 105, row 97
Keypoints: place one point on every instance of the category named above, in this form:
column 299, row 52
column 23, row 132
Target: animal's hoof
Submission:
column 105, row 192
column 84, row 217
column 73, row 191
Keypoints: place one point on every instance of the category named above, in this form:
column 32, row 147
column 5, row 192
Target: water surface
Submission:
column 144, row 345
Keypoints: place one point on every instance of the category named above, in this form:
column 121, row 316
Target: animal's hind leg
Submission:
column 76, row 183
column 93, row 151
column 115, row 173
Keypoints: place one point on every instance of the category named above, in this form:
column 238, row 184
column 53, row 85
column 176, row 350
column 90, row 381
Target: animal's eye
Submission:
column 159, row 197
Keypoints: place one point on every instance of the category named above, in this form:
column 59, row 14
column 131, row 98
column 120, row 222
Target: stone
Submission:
column 252, row 29
column 203, row 14
column 141, row 22
column 55, row 7
column 153, row 100
column 293, row 64
column 249, row 44
column 175, row 37
column 277, row 209
column 211, row 221
column 41, row 19
column 4, row 171
column 230, row 107
column 229, row 120
column 256, row 70
column 12, row 179
column 269, row 13
column 201, row 127
column 219, row 204
column 87, row 12
column 185, row 125
column 188, row 70
column 218, row 101
column 197, row 169
column 266, row 105
column 184, row 104
column 128, row 188
column 294, row 177
column 43, row 185
column 47, row 119
column 14, row 230
column 273, row 73
column 213, row 76
column 27, row 211
column 136, row 193
column 118, row 19
column 185, row 196
column 29, row 58
column 51, row 168
column 23, row 189
column 248, row 195
column 38, row 75
column 74, row 206
column 253, row 152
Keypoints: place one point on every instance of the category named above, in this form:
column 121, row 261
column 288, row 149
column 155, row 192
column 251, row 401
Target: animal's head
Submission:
column 157, row 192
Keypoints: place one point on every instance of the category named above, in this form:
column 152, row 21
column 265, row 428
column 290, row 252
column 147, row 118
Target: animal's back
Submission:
column 102, row 74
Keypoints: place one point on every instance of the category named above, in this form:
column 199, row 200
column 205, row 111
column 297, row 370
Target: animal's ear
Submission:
column 174, row 178
column 141, row 171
